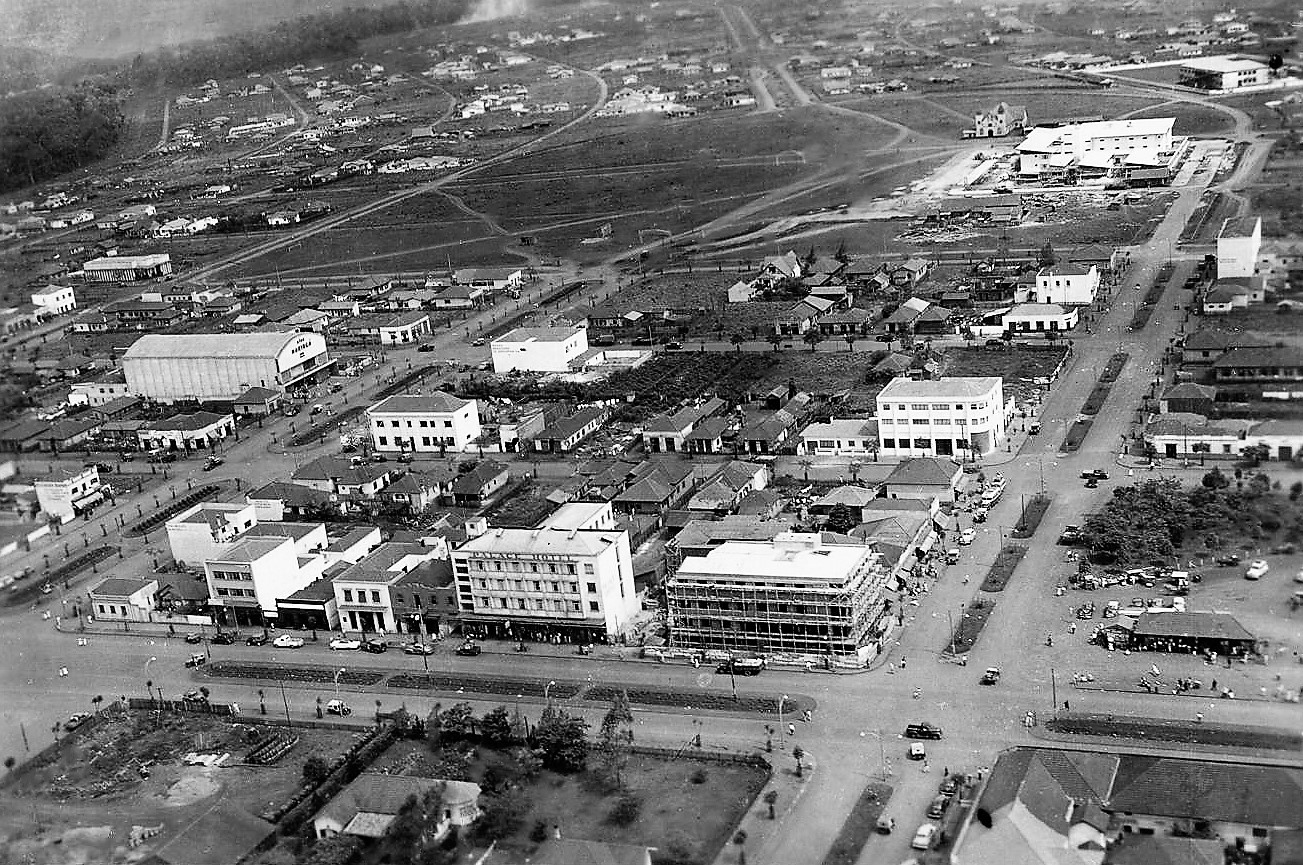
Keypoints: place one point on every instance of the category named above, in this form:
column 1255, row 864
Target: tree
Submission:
column 775, row 340
column 770, row 799
column 1201, row 448
column 96, row 701
column 615, row 738
column 805, row 470
column 1215, row 480
column 331, row 850
column 10, row 763
column 411, row 832
column 1259, row 486
column 737, row 339
column 1255, row 454
column 315, row 769
column 841, row 254
column 626, row 811
column 495, row 727
column 1046, row 257
column 812, row 338
column 501, row 814
column 840, row 519
column 458, row 722
column 1295, row 490
column 562, row 739
column 798, row 754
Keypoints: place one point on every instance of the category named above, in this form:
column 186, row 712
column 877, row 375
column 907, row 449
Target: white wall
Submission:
column 537, row 355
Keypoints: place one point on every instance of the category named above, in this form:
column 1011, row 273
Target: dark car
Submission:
column 194, row 638
column 469, row 650
column 223, row 638
column 425, row 347
column 938, row 807
column 922, row 731
column 375, row 647
column 257, row 640
column 1228, row 561
column 1070, row 535
column 1097, row 474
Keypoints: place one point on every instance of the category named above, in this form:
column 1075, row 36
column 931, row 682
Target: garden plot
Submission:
column 1021, row 369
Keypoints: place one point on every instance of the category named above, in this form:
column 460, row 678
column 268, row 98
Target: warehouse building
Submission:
column 127, row 268
column 1223, row 73
column 222, row 366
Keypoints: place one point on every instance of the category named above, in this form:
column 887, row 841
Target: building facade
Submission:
column 69, row 492
column 1223, row 73
column 1238, row 243
column 426, row 424
column 127, row 268
column 558, row 582
column 794, row 595
column 221, row 366
column 538, row 349
column 55, row 299
column 1066, row 284
column 1047, row 148
column 948, row 417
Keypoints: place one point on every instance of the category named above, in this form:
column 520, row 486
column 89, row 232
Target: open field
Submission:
column 1191, row 119
column 1020, row 368
column 919, row 112
column 1052, row 104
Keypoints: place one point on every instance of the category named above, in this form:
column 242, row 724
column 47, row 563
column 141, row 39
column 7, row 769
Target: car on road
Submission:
column 937, row 809
column 948, row 786
column 375, row 647
column 198, row 659
column 923, row 837
column 991, row 676
column 673, row 346
column 195, row 696
column 1229, row 560
column 468, row 649
column 742, row 667
column 344, row 644
column 256, row 640
column 1111, row 609
column 1097, row 474
column 76, row 720
column 1034, row 427
column 223, row 638
column 479, row 342
column 1092, row 483
column 212, row 463
column 916, row 751
column 967, row 536
column 885, row 824
column 194, row 637
column 922, row 731
column 418, row 648
column 1070, row 535
column 425, row 347
column 338, row 707
column 285, row 641
column 1257, row 570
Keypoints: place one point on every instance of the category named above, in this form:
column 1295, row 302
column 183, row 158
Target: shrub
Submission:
column 627, row 809
column 698, row 776
column 315, row 769
column 539, row 833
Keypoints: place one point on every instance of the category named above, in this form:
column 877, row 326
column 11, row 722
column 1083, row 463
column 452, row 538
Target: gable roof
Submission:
column 438, row 402
column 1246, row 356
column 1137, row 849
column 1203, row 790
column 924, row 471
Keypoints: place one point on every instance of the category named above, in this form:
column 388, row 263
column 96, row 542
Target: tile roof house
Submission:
column 367, row 806
column 707, row 437
column 478, row 486
column 1266, row 364
column 925, row 478
column 1206, row 345
column 1166, row 850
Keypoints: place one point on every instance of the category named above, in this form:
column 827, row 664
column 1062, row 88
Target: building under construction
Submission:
column 795, row 595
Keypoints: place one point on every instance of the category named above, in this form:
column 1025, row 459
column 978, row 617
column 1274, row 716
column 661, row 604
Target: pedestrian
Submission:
column 1214, row 684
column 1065, row 706
column 791, row 729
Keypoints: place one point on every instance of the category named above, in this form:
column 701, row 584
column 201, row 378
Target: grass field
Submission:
column 1058, row 104
column 920, row 113
column 1191, row 119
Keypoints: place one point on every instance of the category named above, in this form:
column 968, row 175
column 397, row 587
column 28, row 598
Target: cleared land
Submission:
column 1052, row 104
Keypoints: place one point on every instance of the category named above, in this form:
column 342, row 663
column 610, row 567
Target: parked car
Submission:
column 1228, row 560
column 923, row 837
column 257, row 640
column 195, row 696
column 922, row 731
column 742, row 666
column 76, row 720
column 198, row 659
column 344, row 644
column 885, row 825
column 285, row 641
column 937, row 809
column 212, row 463
column 1257, row 570
column 375, row 647
column 418, row 648
column 916, row 751
column 338, row 707
column 967, row 536
column 991, row 676
column 980, row 514
column 1070, row 535
column 194, row 637
column 1097, row 474
column 423, row 347
column 479, row 341
column 223, row 638
column 468, row 649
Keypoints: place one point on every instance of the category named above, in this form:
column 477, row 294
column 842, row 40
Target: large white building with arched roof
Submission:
column 221, row 366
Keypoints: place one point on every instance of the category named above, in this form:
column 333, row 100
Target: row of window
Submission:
column 535, row 586
column 922, row 444
column 850, row 443
column 425, row 440
column 528, row 567
column 235, row 593
column 361, row 596
column 937, row 406
column 539, row 604
column 395, row 424
column 239, row 576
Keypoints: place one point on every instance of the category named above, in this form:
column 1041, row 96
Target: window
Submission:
column 382, row 439
column 919, row 406
column 425, row 440
column 920, row 421
column 588, row 569
column 888, row 443
column 922, row 443
column 375, row 597
column 394, row 424
column 940, row 407
column 348, row 596
column 574, row 606
column 447, row 424
column 592, row 587
column 522, row 603
column 592, row 606
column 398, row 598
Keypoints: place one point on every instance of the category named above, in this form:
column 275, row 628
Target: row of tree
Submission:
column 44, row 133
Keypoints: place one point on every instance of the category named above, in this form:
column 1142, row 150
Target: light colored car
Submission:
column 917, row 751
column 1257, row 570
column 923, row 837
column 285, row 641
column 1298, row 578
column 343, row 644
column 967, row 536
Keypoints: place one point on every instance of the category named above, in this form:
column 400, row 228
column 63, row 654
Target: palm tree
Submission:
column 770, row 798
column 812, row 337
column 1201, row 448
column 798, row 754
column 96, row 701
column 849, row 336
column 737, row 339
column 855, row 471
column 805, row 469
column 871, row 445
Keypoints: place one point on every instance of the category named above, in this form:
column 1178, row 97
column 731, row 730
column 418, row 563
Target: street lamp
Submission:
column 546, row 689
column 781, row 701
column 338, row 673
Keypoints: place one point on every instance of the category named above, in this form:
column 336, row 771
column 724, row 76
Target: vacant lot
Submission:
column 1020, row 368
column 1191, row 119
column 920, row 113
column 1045, row 105
column 90, row 794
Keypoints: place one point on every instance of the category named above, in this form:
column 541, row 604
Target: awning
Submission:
column 92, row 499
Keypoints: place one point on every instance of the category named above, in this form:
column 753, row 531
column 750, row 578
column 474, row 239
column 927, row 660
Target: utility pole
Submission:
column 1054, row 692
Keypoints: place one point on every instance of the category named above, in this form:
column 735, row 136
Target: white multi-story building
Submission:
column 55, row 299
column 840, row 437
column 1048, row 148
column 795, row 594
column 1066, row 284
column 566, row 579
column 247, row 578
column 68, row 492
column 222, row 366
column 538, row 349
column 363, row 591
column 436, row 423
column 1238, row 243
column 948, row 417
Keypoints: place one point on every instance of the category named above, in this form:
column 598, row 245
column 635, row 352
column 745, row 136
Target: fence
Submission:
column 705, row 756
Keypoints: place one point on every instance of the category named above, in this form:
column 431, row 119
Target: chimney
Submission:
column 476, row 527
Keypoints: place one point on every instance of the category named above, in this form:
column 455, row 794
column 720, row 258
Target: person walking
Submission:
column 791, row 729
